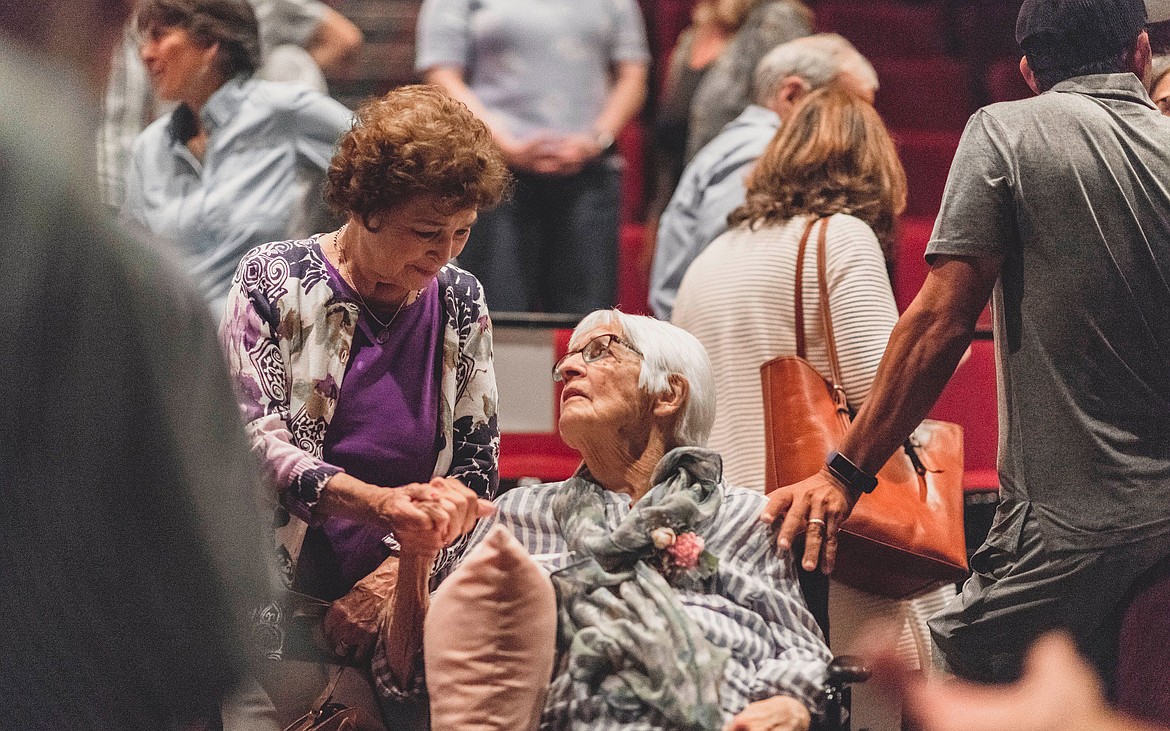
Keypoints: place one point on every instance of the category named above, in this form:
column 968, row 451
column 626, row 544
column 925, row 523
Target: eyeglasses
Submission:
column 593, row 351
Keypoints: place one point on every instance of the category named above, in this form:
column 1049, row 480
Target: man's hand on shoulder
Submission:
column 816, row 506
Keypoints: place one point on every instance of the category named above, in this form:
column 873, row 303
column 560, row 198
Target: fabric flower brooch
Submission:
column 681, row 554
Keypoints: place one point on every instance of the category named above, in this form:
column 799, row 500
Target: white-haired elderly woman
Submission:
column 647, row 527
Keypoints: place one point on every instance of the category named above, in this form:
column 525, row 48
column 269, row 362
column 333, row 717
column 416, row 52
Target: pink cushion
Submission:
column 490, row 640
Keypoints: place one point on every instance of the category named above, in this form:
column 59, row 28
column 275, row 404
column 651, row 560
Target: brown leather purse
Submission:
column 327, row 714
column 907, row 534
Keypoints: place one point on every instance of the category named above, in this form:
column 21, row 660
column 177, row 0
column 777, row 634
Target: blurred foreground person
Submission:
column 127, row 537
column 1058, row 692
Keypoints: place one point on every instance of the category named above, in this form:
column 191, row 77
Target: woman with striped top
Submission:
column 833, row 160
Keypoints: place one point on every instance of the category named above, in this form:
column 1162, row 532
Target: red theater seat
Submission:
column 886, row 28
column 910, row 268
column 542, row 456
column 630, row 145
column 633, row 294
column 987, row 29
column 924, row 93
column 1143, row 663
column 970, row 400
column 665, row 22
column 1004, row 82
column 927, row 156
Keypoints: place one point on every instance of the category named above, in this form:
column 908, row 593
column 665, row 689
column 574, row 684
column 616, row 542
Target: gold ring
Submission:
column 818, row 521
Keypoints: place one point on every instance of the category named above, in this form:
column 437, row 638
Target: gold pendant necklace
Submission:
column 384, row 327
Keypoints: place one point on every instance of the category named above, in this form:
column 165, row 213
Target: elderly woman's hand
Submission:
column 778, row 713
column 427, row 517
column 424, row 517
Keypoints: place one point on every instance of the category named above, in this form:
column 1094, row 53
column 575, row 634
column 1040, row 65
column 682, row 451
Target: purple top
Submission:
column 384, row 429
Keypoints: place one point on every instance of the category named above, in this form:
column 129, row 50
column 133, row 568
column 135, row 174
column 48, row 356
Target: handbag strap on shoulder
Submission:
column 801, row 349
column 826, row 317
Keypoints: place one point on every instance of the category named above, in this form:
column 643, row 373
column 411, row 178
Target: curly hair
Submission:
column 833, row 156
column 416, row 140
column 230, row 23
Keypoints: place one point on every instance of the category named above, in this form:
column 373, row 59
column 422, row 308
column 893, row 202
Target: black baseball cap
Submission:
column 1062, row 33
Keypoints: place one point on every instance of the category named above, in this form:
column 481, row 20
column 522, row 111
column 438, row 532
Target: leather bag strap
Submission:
column 313, row 716
column 826, row 316
column 327, row 694
column 799, row 289
column 827, row 325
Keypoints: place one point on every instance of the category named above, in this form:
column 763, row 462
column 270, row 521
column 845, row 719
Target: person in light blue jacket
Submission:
column 240, row 161
column 712, row 185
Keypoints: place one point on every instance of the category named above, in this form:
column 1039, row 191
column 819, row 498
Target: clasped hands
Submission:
column 548, row 154
column 424, row 517
column 817, row 506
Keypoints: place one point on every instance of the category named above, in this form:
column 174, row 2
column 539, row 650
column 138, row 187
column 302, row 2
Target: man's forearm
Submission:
column 335, row 43
column 921, row 357
column 925, row 347
column 625, row 98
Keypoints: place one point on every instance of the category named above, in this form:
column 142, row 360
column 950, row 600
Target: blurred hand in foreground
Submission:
column 1058, row 691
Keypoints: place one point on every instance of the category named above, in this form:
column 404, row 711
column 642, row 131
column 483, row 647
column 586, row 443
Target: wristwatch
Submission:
column 849, row 474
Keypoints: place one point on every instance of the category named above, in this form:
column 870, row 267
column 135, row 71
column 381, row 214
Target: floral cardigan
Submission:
column 287, row 334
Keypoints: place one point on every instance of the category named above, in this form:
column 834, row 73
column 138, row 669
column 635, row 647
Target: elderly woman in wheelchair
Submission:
column 675, row 609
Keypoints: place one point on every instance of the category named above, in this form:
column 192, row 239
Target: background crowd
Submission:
column 350, row 257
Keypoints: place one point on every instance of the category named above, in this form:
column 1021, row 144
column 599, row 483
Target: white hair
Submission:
column 667, row 350
column 817, row 59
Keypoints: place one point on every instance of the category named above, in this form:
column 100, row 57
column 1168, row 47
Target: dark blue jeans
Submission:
column 554, row 246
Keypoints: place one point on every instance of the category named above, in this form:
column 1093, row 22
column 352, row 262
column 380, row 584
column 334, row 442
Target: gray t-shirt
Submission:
column 540, row 66
column 1072, row 188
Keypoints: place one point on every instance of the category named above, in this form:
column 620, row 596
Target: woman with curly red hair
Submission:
column 363, row 359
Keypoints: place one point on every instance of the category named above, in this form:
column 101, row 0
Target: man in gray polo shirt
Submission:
column 1061, row 205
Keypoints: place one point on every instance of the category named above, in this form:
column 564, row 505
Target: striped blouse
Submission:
column 737, row 299
column 758, row 613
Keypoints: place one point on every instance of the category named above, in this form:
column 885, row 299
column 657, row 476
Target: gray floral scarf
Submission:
column 623, row 635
